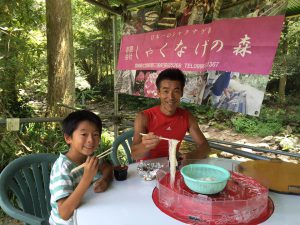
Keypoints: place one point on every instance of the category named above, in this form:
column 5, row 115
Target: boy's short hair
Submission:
column 171, row 74
column 71, row 122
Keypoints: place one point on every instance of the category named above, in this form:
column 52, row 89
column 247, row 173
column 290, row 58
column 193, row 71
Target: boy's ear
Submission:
column 68, row 139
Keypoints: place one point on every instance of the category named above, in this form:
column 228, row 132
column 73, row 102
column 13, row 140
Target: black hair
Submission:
column 71, row 122
column 171, row 74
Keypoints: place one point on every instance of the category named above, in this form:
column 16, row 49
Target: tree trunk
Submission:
column 9, row 103
column 61, row 77
column 107, row 59
column 282, row 85
column 112, row 71
column 98, row 61
column 218, row 5
column 92, row 77
column 283, row 77
column 111, row 61
column 100, row 64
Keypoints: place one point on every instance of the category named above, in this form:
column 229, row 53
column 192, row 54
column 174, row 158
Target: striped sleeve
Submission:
column 61, row 184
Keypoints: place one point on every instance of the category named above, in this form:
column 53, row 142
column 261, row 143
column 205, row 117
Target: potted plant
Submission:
column 120, row 172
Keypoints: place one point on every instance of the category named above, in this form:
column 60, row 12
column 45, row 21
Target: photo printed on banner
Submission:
column 247, row 9
column 243, row 92
column 125, row 81
column 144, row 84
column 194, row 87
column 236, row 92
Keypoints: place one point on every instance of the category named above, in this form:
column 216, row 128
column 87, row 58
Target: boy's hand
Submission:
column 90, row 168
column 100, row 185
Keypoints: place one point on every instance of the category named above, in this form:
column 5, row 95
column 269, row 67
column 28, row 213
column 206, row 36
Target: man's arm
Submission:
column 202, row 149
column 141, row 145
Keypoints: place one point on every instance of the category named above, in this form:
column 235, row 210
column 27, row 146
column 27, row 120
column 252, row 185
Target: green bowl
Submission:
column 205, row 178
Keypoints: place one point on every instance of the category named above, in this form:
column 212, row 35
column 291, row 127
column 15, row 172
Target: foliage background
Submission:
column 23, row 78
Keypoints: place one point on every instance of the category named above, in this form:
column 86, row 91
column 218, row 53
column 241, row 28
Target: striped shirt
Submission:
column 62, row 184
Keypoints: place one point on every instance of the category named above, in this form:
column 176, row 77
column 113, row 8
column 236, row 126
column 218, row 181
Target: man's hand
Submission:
column 150, row 141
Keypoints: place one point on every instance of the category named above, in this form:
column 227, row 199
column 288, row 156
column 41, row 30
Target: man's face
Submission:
column 170, row 92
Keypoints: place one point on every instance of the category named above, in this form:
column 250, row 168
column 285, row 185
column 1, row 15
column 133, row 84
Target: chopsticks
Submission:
column 100, row 156
column 163, row 138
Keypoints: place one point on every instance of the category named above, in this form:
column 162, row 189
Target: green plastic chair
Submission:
column 24, row 188
column 124, row 140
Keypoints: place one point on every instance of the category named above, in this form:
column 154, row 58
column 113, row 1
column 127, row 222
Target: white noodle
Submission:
column 172, row 159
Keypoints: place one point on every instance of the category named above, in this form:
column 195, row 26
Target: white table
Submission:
column 130, row 202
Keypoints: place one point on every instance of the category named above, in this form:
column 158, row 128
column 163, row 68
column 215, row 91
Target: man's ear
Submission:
column 68, row 139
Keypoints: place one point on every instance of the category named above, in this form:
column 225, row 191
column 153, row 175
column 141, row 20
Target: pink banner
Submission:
column 240, row 45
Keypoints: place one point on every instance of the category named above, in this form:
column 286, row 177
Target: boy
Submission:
column 82, row 132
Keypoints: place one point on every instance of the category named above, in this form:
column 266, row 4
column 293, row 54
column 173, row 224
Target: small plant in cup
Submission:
column 120, row 172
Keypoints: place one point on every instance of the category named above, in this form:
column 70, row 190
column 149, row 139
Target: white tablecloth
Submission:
column 130, row 202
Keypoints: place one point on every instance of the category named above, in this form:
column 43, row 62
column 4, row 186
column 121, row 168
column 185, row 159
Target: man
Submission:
column 166, row 120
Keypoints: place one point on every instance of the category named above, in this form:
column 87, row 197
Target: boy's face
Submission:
column 170, row 92
column 85, row 139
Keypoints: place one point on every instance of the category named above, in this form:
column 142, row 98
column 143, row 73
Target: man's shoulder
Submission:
column 150, row 112
column 183, row 111
column 152, row 109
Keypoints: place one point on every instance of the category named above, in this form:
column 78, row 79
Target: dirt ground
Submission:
column 9, row 221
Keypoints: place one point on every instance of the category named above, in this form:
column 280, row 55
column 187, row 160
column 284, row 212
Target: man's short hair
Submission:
column 171, row 74
column 71, row 122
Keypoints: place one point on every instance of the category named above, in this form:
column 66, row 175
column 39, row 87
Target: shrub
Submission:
column 256, row 127
column 266, row 129
column 39, row 138
column 244, row 125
